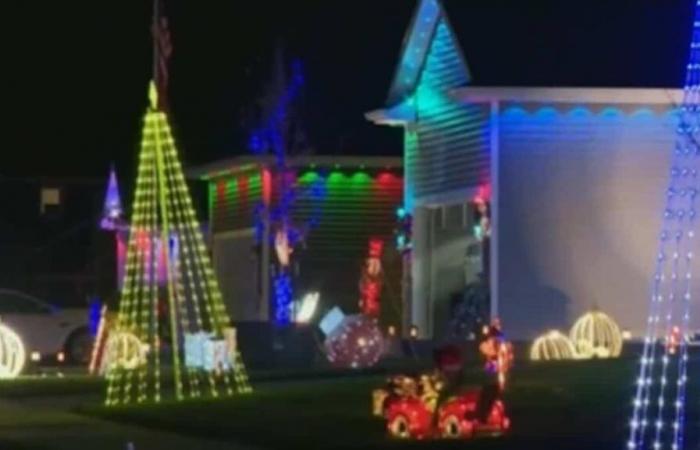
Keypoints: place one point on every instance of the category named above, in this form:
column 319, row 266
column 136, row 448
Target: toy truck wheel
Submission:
column 399, row 427
column 454, row 427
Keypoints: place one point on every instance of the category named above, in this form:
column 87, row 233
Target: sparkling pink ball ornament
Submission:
column 357, row 342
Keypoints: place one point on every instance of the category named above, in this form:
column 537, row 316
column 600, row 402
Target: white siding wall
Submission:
column 581, row 197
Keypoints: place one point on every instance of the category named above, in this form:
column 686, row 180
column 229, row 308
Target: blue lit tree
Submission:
column 658, row 416
column 281, row 135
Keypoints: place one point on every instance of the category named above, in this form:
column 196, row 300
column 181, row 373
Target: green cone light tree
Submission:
column 172, row 338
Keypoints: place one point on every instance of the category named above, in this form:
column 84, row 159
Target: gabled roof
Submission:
column 538, row 45
column 641, row 43
column 414, row 49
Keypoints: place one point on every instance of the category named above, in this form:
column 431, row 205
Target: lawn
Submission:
column 73, row 384
column 51, row 386
column 572, row 405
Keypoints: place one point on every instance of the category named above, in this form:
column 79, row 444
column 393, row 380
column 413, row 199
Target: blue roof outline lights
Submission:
column 417, row 43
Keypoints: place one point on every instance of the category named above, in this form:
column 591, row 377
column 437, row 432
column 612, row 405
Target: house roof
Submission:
column 414, row 48
column 664, row 97
column 640, row 43
column 244, row 163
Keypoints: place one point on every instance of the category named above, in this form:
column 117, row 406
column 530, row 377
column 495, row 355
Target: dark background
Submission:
column 75, row 73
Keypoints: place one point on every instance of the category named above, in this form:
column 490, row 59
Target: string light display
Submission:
column 658, row 406
column 274, row 137
column 371, row 280
column 596, row 335
column 357, row 342
column 112, row 212
column 13, row 355
column 282, row 283
column 99, row 345
column 307, row 307
column 159, row 315
column 125, row 351
column 552, row 345
column 403, row 230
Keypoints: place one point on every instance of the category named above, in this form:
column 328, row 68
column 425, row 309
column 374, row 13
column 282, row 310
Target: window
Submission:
column 50, row 199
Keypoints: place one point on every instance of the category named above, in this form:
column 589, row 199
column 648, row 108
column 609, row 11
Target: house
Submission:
column 341, row 202
column 50, row 242
column 573, row 170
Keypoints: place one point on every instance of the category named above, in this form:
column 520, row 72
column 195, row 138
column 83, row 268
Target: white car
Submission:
column 49, row 334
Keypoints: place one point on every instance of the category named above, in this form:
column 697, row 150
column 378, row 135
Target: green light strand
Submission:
column 189, row 224
column 178, row 220
column 191, row 270
column 165, row 239
column 219, row 316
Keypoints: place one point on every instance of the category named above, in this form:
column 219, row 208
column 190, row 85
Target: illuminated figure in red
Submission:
column 497, row 352
column 371, row 280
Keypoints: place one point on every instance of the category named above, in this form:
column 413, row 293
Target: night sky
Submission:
column 75, row 73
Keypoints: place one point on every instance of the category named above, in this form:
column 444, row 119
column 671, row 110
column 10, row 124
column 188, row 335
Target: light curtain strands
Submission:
column 658, row 406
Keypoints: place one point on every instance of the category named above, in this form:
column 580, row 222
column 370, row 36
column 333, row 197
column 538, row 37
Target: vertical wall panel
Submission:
column 581, row 194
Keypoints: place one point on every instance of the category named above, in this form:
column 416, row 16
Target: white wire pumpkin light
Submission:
column 125, row 351
column 552, row 345
column 596, row 335
column 12, row 353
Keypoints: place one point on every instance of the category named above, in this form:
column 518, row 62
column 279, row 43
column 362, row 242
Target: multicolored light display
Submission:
column 275, row 137
column 159, row 315
column 112, row 213
column 658, row 406
column 99, row 346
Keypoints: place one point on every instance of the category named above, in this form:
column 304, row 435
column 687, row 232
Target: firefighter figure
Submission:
column 498, row 355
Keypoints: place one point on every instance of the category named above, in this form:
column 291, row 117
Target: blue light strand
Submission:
column 283, row 298
column 689, row 108
column 270, row 136
column 679, row 224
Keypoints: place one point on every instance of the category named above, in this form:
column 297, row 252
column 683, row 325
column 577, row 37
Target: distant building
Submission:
column 575, row 178
column 50, row 242
column 343, row 202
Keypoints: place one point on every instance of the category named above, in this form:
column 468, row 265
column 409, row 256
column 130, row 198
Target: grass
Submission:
column 82, row 384
column 37, row 386
column 568, row 405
